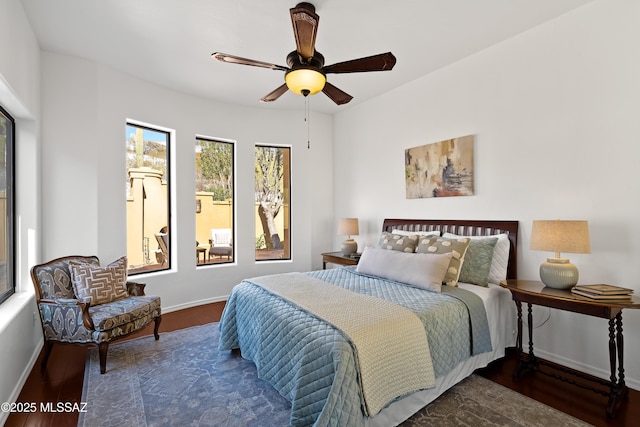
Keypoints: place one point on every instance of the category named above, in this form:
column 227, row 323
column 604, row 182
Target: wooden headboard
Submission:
column 464, row 228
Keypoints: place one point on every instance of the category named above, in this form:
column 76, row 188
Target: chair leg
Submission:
column 103, row 347
column 157, row 327
column 48, row 346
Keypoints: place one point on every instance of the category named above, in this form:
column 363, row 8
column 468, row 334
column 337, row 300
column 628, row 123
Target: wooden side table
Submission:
column 533, row 292
column 338, row 258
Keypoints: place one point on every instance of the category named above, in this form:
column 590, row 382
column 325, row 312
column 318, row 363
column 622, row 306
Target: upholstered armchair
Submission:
column 95, row 317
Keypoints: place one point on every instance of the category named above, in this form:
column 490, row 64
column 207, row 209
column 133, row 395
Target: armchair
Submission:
column 221, row 243
column 67, row 319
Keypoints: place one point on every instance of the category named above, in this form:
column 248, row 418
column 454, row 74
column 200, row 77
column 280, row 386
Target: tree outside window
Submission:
column 272, row 198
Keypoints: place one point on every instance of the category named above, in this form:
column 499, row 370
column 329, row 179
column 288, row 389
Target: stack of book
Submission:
column 603, row 292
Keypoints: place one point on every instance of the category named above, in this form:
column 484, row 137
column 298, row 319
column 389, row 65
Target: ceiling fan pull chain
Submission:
column 307, row 119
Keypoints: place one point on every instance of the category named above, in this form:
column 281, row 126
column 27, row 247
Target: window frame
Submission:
column 10, row 206
column 170, row 135
column 287, row 202
column 234, row 251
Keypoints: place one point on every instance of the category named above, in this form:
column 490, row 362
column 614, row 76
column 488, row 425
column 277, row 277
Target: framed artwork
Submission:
column 441, row 169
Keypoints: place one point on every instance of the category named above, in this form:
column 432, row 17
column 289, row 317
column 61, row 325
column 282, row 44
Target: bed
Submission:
column 310, row 334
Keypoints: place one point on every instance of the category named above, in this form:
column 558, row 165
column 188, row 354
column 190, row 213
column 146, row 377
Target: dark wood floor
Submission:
column 62, row 381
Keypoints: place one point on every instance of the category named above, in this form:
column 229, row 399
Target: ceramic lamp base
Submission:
column 558, row 273
column 349, row 247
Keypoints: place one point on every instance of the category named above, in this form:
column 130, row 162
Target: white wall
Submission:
column 20, row 336
column 85, row 108
column 554, row 112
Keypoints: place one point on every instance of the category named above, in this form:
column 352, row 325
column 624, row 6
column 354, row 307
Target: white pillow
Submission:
column 422, row 270
column 415, row 233
column 498, row 270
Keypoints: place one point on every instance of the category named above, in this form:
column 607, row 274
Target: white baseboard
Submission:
column 587, row 369
column 193, row 304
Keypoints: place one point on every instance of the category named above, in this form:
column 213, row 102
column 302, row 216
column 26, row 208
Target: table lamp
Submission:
column 348, row 227
column 560, row 236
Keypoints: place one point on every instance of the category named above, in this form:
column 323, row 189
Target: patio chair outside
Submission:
column 221, row 243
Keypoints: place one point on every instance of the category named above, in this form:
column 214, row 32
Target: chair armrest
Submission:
column 60, row 301
column 78, row 307
column 136, row 289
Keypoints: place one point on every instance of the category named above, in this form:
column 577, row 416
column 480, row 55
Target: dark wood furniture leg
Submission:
column 103, row 347
column 528, row 362
column 156, row 327
column 618, row 389
column 531, row 360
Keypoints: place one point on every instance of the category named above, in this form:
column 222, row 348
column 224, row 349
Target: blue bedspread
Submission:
column 312, row 364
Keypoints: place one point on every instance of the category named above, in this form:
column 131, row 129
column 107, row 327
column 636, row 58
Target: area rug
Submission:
column 183, row 380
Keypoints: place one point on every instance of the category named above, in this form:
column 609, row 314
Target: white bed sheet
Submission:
column 501, row 315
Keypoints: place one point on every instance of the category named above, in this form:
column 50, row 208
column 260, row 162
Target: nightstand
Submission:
column 534, row 292
column 338, row 258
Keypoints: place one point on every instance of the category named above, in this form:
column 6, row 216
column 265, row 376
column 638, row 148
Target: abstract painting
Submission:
column 441, row 169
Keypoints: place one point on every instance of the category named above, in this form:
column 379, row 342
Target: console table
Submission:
column 533, row 292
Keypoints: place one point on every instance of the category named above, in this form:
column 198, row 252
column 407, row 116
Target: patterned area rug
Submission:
column 183, row 380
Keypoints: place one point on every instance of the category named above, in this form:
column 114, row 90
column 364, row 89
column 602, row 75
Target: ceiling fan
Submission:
column 306, row 72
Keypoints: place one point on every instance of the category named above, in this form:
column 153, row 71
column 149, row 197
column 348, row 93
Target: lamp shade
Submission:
column 305, row 79
column 560, row 236
column 348, row 226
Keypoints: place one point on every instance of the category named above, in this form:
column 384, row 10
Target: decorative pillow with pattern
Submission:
column 458, row 248
column 477, row 261
column 398, row 242
column 99, row 285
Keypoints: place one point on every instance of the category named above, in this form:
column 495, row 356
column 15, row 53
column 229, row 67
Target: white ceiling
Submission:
column 169, row 42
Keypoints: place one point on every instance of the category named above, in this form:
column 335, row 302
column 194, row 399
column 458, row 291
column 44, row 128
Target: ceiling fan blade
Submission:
column 272, row 96
column 336, row 95
column 223, row 57
column 305, row 26
column 381, row 62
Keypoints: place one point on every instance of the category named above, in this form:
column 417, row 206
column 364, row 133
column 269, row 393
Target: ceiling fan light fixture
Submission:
column 305, row 80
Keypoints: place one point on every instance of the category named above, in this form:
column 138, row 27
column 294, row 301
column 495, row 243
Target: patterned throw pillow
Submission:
column 458, row 247
column 398, row 242
column 477, row 261
column 99, row 285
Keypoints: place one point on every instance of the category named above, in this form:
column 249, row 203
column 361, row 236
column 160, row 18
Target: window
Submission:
column 214, row 201
column 272, row 202
column 7, row 185
column 148, row 201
